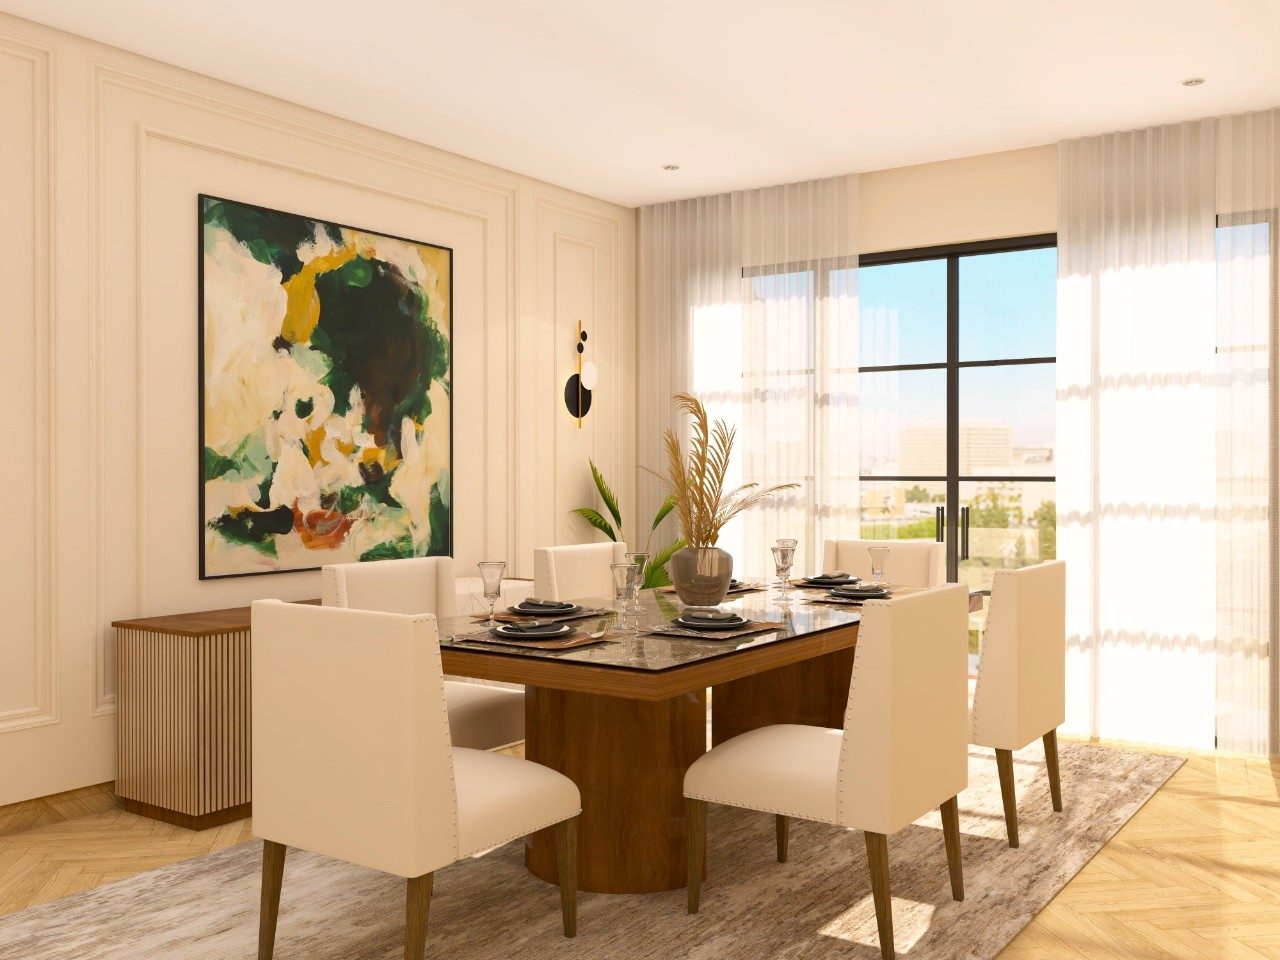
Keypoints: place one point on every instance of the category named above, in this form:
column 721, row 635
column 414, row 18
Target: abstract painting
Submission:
column 326, row 416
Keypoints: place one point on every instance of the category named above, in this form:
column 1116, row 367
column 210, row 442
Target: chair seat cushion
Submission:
column 786, row 768
column 501, row 798
column 483, row 717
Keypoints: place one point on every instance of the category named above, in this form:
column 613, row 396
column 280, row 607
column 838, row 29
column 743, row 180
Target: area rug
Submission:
column 816, row 906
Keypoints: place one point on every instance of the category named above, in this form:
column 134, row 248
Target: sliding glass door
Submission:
column 956, row 400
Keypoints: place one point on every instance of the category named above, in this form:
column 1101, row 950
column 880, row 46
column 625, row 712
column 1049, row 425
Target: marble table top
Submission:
column 631, row 647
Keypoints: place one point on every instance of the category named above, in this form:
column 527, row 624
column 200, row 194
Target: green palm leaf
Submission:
column 610, row 501
column 655, row 571
column 594, row 518
column 668, row 505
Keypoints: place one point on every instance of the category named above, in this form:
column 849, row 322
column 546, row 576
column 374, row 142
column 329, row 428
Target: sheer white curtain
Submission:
column 749, row 301
column 1167, row 477
column 1136, row 432
column 1248, row 256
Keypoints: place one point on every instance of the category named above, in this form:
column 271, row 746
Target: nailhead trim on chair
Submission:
column 522, row 833
column 848, row 712
column 977, row 687
column 448, row 738
column 749, row 806
column 339, row 585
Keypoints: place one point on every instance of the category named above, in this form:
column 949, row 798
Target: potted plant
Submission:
column 701, row 571
column 655, row 570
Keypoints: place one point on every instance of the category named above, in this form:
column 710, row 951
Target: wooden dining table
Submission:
column 625, row 718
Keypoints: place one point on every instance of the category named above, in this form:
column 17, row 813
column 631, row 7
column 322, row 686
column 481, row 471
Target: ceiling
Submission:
column 597, row 95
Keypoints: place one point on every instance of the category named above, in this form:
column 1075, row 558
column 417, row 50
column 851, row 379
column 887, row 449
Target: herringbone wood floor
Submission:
column 1194, row 876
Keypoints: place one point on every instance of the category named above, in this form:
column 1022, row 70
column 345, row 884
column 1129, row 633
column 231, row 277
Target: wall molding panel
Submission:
column 29, row 667
column 126, row 144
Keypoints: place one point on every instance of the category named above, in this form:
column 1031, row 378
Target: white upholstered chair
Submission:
column 1021, row 690
column 912, row 563
column 901, row 753
column 480, row 716
column 575, row 572
column 352, row 759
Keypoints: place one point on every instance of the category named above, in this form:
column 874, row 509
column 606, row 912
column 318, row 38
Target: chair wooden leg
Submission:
column 1051, row 761
column 272, row 877
column 950, row 811
column 878, row 862
column 567, row 868
column 417, row 907
column 782, row 828
column 696, row 841
column 1004, row 764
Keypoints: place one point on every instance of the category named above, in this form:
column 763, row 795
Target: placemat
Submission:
column 575, row 639
column 847, row 601
column 756, row 626
column 736, row 592
column 508, row 617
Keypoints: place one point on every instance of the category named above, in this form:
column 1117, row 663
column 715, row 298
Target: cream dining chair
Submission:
column 481, row 717
column 912, row 563
column 1021, row 690
column 901, row 753
column 352, row 759
column 575, row 572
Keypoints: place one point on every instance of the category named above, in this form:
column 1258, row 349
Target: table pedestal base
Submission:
column 813, row 692
column 628, row 758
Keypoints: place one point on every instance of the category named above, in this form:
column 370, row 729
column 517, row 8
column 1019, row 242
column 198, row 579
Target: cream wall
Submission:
column 1010, row 194
column 102, row 154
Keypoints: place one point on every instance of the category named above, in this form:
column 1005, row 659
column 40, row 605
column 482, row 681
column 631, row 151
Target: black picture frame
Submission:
column 200, row 375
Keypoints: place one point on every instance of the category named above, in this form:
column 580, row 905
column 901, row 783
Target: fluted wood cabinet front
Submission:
column 184, row 717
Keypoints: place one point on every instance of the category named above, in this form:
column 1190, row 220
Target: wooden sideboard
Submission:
column 183, row 712
column 182, row 698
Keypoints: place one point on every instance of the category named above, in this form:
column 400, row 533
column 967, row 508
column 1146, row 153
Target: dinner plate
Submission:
column 737, row 623
column 829, row 582
column 546, row 631
column 863, row 592
column 520, row 610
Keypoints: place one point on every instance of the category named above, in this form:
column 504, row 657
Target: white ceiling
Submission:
column 597, row 95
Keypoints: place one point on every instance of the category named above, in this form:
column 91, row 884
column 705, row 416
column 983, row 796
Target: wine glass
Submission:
column 491, row 572
column 783, row 556
column 879, row 559
column 641, row 560
column 626, row 583
column 782, row 559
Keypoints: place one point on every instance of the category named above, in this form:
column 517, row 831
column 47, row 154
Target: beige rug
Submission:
column 816, row 906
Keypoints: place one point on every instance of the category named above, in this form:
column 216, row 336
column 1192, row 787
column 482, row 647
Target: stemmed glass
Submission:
column 782, row 559
column 491, row 572
column 641, row 560
column 879, row 559
column 626, row 589
column 789, row 546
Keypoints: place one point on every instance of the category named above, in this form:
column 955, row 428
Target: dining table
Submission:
column 625, row 717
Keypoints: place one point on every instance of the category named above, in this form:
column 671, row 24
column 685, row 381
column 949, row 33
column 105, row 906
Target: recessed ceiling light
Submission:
column 671, row 166
column 1193, row 81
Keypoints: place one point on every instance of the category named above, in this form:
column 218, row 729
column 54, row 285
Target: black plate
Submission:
column 828, row 582
column 548, row 631
column 866, row 592
column 711, row 625
column 520, row 611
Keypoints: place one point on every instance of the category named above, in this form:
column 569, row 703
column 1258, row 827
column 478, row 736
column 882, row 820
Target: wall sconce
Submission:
column 578, row 388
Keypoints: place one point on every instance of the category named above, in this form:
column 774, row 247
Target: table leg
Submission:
column 628, row 758
column 812, row 692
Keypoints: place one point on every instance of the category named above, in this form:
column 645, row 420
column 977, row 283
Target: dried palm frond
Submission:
column 696, row 482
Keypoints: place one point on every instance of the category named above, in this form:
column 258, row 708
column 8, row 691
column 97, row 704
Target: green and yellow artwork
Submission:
column 326, row 411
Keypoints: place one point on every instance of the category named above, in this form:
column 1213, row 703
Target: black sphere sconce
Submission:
column 577, row 389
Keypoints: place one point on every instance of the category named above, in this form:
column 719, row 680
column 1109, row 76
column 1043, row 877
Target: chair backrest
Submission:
column 415, row 585
column 905, row 750
column 912, row 563
column 351, row 749
column 1021, row 690
column 575, row 572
